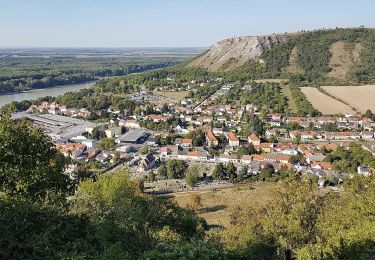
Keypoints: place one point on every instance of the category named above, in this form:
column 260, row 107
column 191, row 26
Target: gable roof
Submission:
column 323, row 165
column 253, row 137
column 211, row 136
column 232, row 137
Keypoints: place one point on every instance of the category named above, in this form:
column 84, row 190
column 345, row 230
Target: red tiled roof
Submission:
column 192, row 153
column 232, row 137
column 257, row 157
column 211, row 136
column 254, row 137
column 323, row 165
column 187, row 141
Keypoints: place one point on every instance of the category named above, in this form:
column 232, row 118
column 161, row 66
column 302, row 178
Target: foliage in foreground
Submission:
column 303, row 223
column 110, row 217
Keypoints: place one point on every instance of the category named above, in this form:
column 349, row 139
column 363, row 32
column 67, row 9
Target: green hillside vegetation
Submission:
column 313, row 57
column 267, row 96
column 306, row 56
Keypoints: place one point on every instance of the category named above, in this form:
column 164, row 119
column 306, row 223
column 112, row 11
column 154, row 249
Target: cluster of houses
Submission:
column 346, row 122
column 56, row 109
column 341, row 136
column 217, row 121
column 277, row 154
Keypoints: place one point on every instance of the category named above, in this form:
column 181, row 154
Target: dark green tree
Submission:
column 30, row 165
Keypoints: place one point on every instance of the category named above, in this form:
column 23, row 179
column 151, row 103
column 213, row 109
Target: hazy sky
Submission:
column 167, row 23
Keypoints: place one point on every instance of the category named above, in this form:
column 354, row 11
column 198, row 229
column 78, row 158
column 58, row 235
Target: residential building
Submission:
column 254, row 139
column 147, row 163
column 211, row 139
column 233, row 140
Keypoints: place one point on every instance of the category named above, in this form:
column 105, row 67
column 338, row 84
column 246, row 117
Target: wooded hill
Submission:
column 339, row 56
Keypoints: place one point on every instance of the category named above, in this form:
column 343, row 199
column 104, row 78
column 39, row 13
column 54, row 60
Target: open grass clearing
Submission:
column 217, row 204
column 291, row 104
column 179, row 95
column 293, row 66
column 341, row 60
column 170, row 97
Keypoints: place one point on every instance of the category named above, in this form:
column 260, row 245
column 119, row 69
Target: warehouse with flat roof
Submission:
column 133, row 136
column 56, row 125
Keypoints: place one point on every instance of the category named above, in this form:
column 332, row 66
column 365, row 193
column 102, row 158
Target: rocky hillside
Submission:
column 331, row 56
column 235, row 52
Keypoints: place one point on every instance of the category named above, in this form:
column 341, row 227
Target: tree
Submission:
column 106, row 144
column 242, row 174
column 246, row 130
column 219, row 172
column 162, row 172
column 198, row 137
column 311, row 126
column 267, row 172
column 196, row 249
column 192, row 175
column 231, row 171
column 296, row 158
column 256, row 125
column 126, row 218
column 151, row 176
column 369, row 114
column 283, row 225
column 246, row 150
column 176, row 169
column 40, row 231
column 350, row 234
column 30, row 165
column 144, row 150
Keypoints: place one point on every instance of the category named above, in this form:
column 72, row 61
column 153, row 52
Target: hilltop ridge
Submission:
column 233, row 52
column 340, row 55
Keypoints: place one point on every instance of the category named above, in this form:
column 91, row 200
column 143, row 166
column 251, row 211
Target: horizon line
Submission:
column 97, row 47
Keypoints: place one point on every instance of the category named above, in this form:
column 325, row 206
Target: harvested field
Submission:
column 324, row 103
column 360, row 97
column 217, row 204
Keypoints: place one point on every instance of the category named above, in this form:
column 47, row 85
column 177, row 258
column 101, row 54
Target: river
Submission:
column 37, row 93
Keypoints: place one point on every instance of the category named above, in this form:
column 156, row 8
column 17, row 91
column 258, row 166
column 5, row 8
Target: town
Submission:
column 195, row 131
column 211, row 130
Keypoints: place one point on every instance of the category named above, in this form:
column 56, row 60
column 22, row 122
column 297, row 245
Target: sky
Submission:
column 167, row 23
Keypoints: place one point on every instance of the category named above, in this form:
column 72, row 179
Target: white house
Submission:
column 90, row 143
column 364, row 170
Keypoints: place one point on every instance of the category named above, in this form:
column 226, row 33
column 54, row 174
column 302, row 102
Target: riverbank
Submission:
column 43, row 92
column 36, row 89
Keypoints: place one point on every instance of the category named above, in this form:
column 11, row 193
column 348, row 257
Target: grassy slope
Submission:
column 341, row 60
column 291, row 104
column 218, row 203
column 293, row 67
